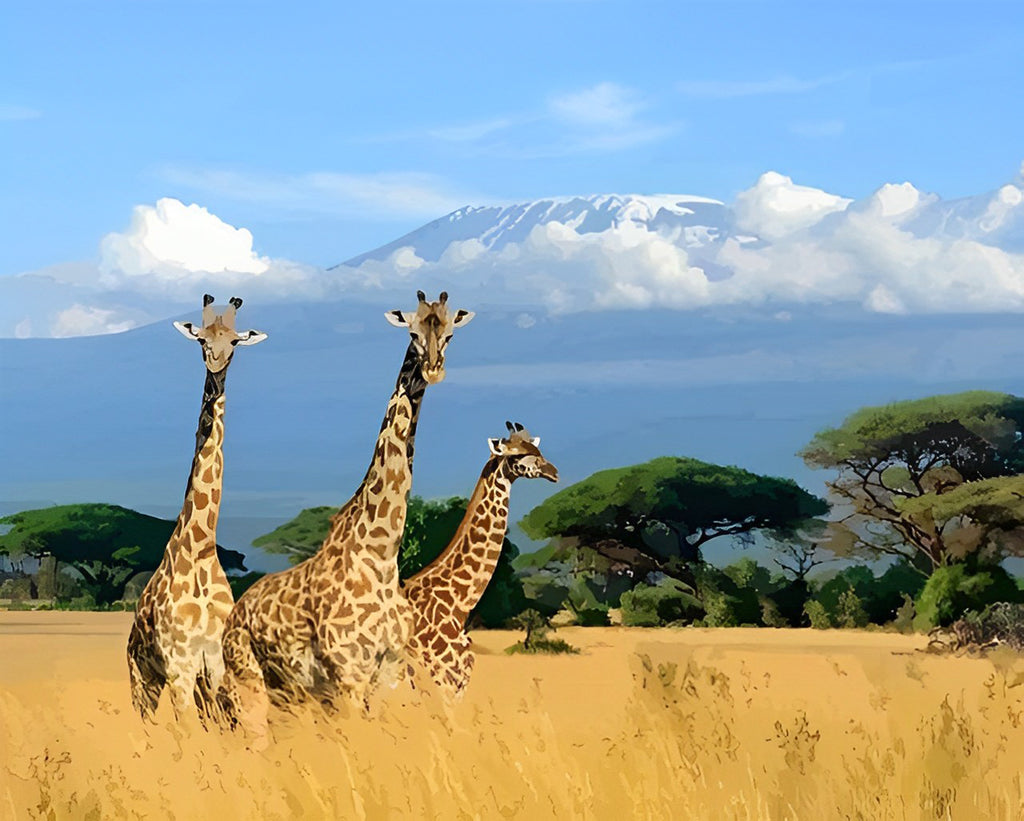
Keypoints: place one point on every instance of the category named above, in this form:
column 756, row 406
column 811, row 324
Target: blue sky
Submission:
column 329, row 130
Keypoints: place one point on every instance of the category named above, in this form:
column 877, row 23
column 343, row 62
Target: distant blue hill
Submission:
column 112, row 418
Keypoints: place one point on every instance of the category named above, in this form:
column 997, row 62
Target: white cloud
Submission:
column 605, row 104
column 775, row 206
column 384, row 195
column 469, row 132
column 171, row 239
column 788, row 244
column 86, row 320
column 782, row 84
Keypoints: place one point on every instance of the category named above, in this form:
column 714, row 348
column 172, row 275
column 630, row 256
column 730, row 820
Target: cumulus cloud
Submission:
column 780, row 245
column 602, row 104
column 776, row 206
column 87, row 320
column 171, row 239
column 896, row 251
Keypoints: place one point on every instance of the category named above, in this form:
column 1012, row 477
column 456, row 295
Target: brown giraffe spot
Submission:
column 201, row 499
column 198, row 534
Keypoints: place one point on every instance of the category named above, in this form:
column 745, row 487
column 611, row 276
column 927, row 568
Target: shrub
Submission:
column 850, row 610
column 953, row 590
column 654, row 605
column 818, row 616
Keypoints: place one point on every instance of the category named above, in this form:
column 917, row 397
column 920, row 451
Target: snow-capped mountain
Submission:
column 692, row 221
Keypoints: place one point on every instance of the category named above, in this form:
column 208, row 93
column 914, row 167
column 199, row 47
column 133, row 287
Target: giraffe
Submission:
column 175, row 638
column 336, row 624
column 443, row 593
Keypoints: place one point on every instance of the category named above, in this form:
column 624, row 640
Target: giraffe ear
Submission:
column 250, row 337
column 187, row 330
column 397, row 318
column 536, row 441
column 496, row 447
column 462, row 317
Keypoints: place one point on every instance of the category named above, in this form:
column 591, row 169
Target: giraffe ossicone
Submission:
column 175, row 637
column 443, row 594
column 336, row 625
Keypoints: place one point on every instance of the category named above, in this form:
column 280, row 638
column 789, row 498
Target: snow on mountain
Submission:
column 495, row 227
column 780, row 244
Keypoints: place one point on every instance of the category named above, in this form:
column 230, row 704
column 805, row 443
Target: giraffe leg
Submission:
column 144, row 674
column 242, row 698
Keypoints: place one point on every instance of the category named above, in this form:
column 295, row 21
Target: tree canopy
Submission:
column 105, row 543
column 429, row 527
column 920, row 479
column 656, row 516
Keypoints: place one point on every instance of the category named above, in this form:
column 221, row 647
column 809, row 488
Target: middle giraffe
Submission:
column 444, row 592
column 336, row 624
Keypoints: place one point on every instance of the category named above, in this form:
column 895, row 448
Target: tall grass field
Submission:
column 641, row 724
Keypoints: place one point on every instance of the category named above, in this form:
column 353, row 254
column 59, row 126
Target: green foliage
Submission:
column 850, row 610
column 854, row 597
column 904, row 621
column 300, row 537
column 953, row 590
column 239, row 584
column 655, row 516
column 105, row 544
column 929, row 480
column 536, row 639
column 656, row 605
column 992, row 418
column 817, row 616
column 789, row 598
column 582, row 602
column 748, row 574
column 726, row 603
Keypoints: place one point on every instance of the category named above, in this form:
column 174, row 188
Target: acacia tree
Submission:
column 657, row 516
column 896, row 462
column 105, row 544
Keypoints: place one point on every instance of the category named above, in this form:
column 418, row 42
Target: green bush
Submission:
column 850, row 610
column 726, row 602
column 818, row 616
column 954, row 589
column 654, row 605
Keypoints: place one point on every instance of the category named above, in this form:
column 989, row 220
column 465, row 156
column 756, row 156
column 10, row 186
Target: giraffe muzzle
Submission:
column 549, row 472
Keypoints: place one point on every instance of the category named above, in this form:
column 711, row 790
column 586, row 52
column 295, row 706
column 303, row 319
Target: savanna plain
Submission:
column 642, row 723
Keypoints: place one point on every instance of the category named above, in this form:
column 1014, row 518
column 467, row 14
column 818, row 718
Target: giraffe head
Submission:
column 431, row 326
column 522, row 454
column 217, row 334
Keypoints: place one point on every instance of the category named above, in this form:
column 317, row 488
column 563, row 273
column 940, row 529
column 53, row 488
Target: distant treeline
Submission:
column 926, row 500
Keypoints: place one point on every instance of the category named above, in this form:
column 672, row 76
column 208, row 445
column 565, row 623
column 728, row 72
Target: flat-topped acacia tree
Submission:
column 658, row 515
column 933, row 481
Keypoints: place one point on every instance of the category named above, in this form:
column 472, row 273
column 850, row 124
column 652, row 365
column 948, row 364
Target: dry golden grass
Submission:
column 682, row 724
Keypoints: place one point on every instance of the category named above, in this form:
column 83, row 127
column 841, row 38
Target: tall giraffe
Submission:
column 336, row 623
column 443, row 594
column 175, row 638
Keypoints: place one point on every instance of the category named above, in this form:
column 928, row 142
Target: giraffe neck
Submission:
column 196, row 529
column 476, row 546
column 379, row 505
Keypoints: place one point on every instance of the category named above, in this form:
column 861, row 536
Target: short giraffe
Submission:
column 443, row 593
column 175, row 639
column 336, row 624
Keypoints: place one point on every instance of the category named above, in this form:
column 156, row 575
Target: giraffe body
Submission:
column 175, row 637
column 443, row 594
column 336, row 625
